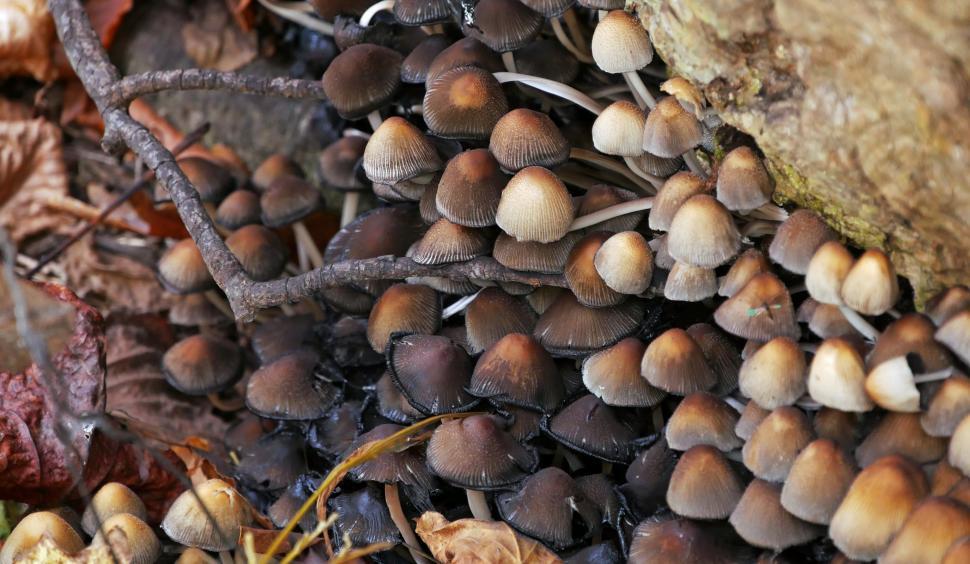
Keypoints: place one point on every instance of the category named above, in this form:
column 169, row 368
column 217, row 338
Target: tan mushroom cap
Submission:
column 275, row 166
column 35, row 527
column 686, row 283
column 111, row 499
column 935, row 525
column 748, row 264
column 947, row 407
column 891, row 386
column 239, row 208
column 870, row 287
column 959, row 450
column 676, row 364
column 836, row 377
column 760, row 519
column 900, row 433
column 826, row 273
column 530, row 256
column 675, row 191
column 130, row 538
column 776, row 441
column 703, row 485
column 407, row 308
column 620, row 43
column 524, row 138
column 944, row 305
column 583, row 277
column 464, row 103
column 761, row 311
column 259, row 250
column 775, row 375
column 618, row 130
column 188, row 524
column 399, row 151
column 446, row 242
column 797, row 239
column 181, row 270
column 613, row 375
column 955, row 334
column 703, row 419
column 625, row 263
column 535, row 206
column 670, row 130
column 817, row 481
column 338, row 162
column 742, row 181
column 911, row 334
column 702, row 233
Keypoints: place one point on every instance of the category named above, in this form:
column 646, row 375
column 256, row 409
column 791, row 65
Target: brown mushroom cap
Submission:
column 187, row 523
column 675, row 191
column 493, row 315
column 613, row 375
column 944, row 305
column 703, row 419
column 339, row 160
column 797, row 239
column 239, row 208
column 620, row 43
column 476, row 453
column 955, row 334
column 470, row 188
column 530, row 256
column 464, row 52
column 130, row 538
column 446, row 242
column 464, row 103
column 259, row 250
column 432, row 372
column 421, row 12
column 582, row 276
column 760, row 519
column 503, row 25
column 399, row 151
column 656, row 541
column 935, row 525
column 193, row 310
column 414, row 68
column 32, row 529
column 686, row 283
column 111, row 499
column 618, row 130
column 362, row 516
column 748, row 264
column 391, row 467
column 870, row 287
column 761, row 311
column 289, row 388
column 948, row 406
column 742, row 181
column 721, row 355
column 826, row 272
column 212, row 181
column 842, row 427
column 535, row 206
column 775, row 375
column 601, row 196
column 817, row 481
column 569, row 328
column 330, row 9
column 912, row 336
column 404, row 308
column 181, row 269
column 545, row 507
column 900, row 433
column 825, row 320
column 549, row 8
column 702, row 233
column 670, row 130
column 287, row 200
column 202, row 364
column 776, row 441
column 546, row 58
column 524, row 138
column 591, row 427
column 275, row 166
column 517, row 370
column 362, row 79
column 703, row 485
column 675, row 363
column 281, row 335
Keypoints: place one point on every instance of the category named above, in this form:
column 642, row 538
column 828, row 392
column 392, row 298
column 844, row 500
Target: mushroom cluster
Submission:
column 717, row 377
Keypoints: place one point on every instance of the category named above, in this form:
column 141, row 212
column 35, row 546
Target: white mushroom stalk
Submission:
column 460, row 305
column 552, row 87
column 298, row 12
column 933, row 376
column 859, row 323
column 479, row 505
column 375, row 9
column 639, row 89
column 655, row 180
column 566, row 42
column 649, row 185
column 508, row 59
column 633, row 206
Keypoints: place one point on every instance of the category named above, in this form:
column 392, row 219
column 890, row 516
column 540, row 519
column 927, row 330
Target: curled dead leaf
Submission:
column 212, row 41
column 106, row 16
column 27, row 39
column 470, row 541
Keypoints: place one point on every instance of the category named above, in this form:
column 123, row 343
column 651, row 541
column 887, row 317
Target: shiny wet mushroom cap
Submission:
column 464, row 103
column 399, row 151
column 187, row 522
column 591, row 427
column 546, row 506
column 202, row 364
column 613, row 375
column 181, row 269
column 475, row 452
column 432, row 372
column 517, row 370
column 403, row 308
column 289, row 388
column 524, row 138
column 362, row 79
column 259, row 250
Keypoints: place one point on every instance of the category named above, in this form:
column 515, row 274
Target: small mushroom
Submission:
column 470, row 189
column 675, row 363
column 761, row 311
column 817, row 481
column 929, row 531
column 517, row 370
column 181, row 270
column 591, row 427
column 289, row 388
column 546, row 506
column 188, row 523
column 287, row 201
column 797, row 240
column 464, row 103
column 32, row 529
column 259, row 251
column 494, row 314
column 703, row 485
column 432, row 372
column 569, row 328
column 702, row 233
column 239, row 208
column 111, row 499
column 613, row 375
column 771, row 450
column 621, row 45
column 130, row 538
column 202, row 364
column 525, row 138
column 760, row 519
column 403, row 308
column 743, row 183
column 703, row 419
column 775, row 375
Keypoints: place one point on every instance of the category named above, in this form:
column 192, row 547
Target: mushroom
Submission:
column 414, row 67
column 281, row 335
column 624, row 262
column 494, row 314
column 619, row 130
column 432, row 372
column 273, row 462
column 361, row 80
column 817, row 481
column 675, row 363
column 746, row 266
column 621, row 45
column 286, row 202
column 959, row 452
column 339, row 162
column 955, row 334
column 211, row 181
column 470, row 189
column 32, row 529
column 181, row 269
column 446, row 242
column 130, row 538
column 613, row 375
column 290, row 388
column 526, row 138
column 569, row 328
column 363, row 517
column 842, row 427
column 332, row 435
column 703, row 419
column 771, row 450
column 671, row 131
column 751, row 416
column 721, row 355
column 775, row 375
column 503, row 25
column 294, row 496
column 462, row 53
column 743, row 183
column 516, row 370
column 686, row 283
column 275, row 166
column 761, row 311
column 111, row 499
column 530, row 256
column 891, row 385
column 703, row 485
column 702, row 233
column 398, row 151
column 929, row 531
column 760, row 519
column 582, row 276
column 239, row 208
column 591, row 427
column 948, row 405
column 202, row 364
column 836, row 377
column 464, row 103
column 647, row 478
column 421, row 12
column 603, row 197
column 797, row 240
column 188, row 519
column 948, row 302
column 407, row 308
column 672, row 539
column 259, row 251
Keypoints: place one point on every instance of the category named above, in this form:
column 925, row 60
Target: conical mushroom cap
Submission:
column 912, row 336
column 749, row 264
column 362, row 78
column 181, row 269
column 742, row 181
column 403, row 308
column 817, row 481
column 530, row 256
column 891, row 386
column 446, row 242
column 432, row 372
column 462, row 53
column 797, row 239
column 581, row 274
column 676, row 190
column 944, row 305
column 535, row 206
column 620, row 43
column 524, row 138
column 239, row 208
column 545, row 505
column 602, row 196
column 201, row 364
column 517, row 370
column 613, row 375
column 826, row 272
column 775, row 375
column 391, row 403
column 618, row 130
column 761, row 311
column 212, row 181
column 625, row 263
column 751, row 416
column 572, row 329
column 362, row 516
column 870, row 287
column 703, row 419
column 503, row 25
column 290, row 388
column 590, row 426
column 703, row 485
column 703, row 233
column 476, row 453
column 275, row 166
column 464, row 103
column 761, row 520
column 282, row 335
column 675, row 363
column 470, row 189
column 666, row 540
column 670, row 130
column 414, row 68
column 35, row 527
column 776, row 441
column 929, row 531
column 130, row 538
column 493, row 315
column 339, row 162
column 948, row 406
column 959, row 450
column 288, row 199
column 111, row 499
column 259, row 250
column 399, row 151
column 955, row 334
column 836, row 377
column 187, row 523
column 686, row 283
column 900, row 433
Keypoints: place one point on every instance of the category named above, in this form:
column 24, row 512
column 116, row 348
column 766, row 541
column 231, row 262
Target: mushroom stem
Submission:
column 769, row 212
column 221, row 304
column 633, row 206
column 392, row 498
column 508, row 59
column 349, row 210
column 758, row 228
column 374, row 119
column 575, row 30
column 737, row 405
column 459, row 306
column 369, row 13
column 304, row 238
column 894, row 313
column 933, row 376
column 302, row 260
column 636, row 85
column 655, row 180
column 296, row 12
column 552, row 87
column 693, row 164
column 560, row 34
column 611, row 90
column 479, row 505
column 226, row 557
column 587, row 156
column 859, row 323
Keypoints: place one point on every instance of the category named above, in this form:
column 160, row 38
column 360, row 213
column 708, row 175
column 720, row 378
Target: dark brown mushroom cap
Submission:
column 517, row 370
column 363, row 516
column 287, row 200
column 545, row 507
column 569, row 328
column 658, row 541
column 674, row 362
column 274, row 461
column 432, row 372
column 202, row 364
column 591, row 427
column 524, row 137
column 530, row 256
column 944, row 305
column 399, row 151
column 900, row 433
column 339, row 160
column 239, row 208
column 290, row 388
column 601, row 196
column 421, row 12
column 670, row 130
column 414, row 68
column 212, row 181
column 546, row 58
column 465, row 52
column 391, row 403
column 393, row 467
column 605, row 552
column 948, row 405
column 646, row 479
column 955, row 334
column 476, row 453
column 549, row 8
column 362, row 79
column 613, row 375
column 493, row 315
column 181, row 269
column 721, row 354
column 912, row 336
column 446, row 242
column 797, row 239
column 281, row 335
column 275, row 166
column 581, row 274
column 761, row 520
column 194, row 310
column 470, row 188
column 761, row 311
column 703, row 485
column 403, row 308
column 464, row 103
column 503, row 25
column 259, row 250
column 333, row 434
column 742, row 181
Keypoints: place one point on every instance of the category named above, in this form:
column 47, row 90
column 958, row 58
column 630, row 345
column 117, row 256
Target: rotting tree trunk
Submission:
column 861, row 106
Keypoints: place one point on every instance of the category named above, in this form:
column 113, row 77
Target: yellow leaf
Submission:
column 470, row 541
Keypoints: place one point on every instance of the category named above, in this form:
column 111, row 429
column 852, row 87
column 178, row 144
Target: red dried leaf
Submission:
column 106, row 16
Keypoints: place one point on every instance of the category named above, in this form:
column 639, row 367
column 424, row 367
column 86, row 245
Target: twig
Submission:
column 131, row 87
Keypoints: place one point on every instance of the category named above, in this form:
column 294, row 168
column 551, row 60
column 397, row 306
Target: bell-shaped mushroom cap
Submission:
column 545, row 508
column 362, row 79
column 900, row 433
column 521, row 423
column 958, row 454
column 876, row 505
column 624, row 262
column 503, row 25
column 949, row 404
column 602, row 196
column 686, row 283
column 582, row 276
column 761, row 311
column 399, row 151
column 470, row 189
column 542, row 297
column 202, row 364
column 842, row 427
column 414, row 68
column 618, row 130
column 749, row 264
column 591, row 427
column 613, row 375
column 288, row 199
column 912, row 336
column 958, row 552
column 760, row 519
column 34, row 528
column 676, row 190
column 290, row 388
column 111, row 499
column 947, row 303
column 703, row 233
column 339, row 160
column 446, row 242
column 569, row 328
column 476, row 453
column 751, row 416
column 239, row 208
column 825, row 320
column 703, row 419
column 549, row 8
column 776, row 441
column 775, row 375
column 181, row 269
column 672, row 539
column 826, row 272
column 273, row 462
column 620, row 44
column 363, row 516
column 837, row 377
column 432, row 372
column 212, row 181
column 130, row 538
column 330, row 436
column 462, row 53
column 703, row 485
column 391, row 403
column 493, row 315
column 891, row 386
column 193, row 310
column 464, row 103
column 675, row 363
column 188, row 523
column 930, row 530
column 281, row 335
column 392, row 467
column 259, row 251
column 524, row 138
column 670, row 130
column 721, row 355
column 275, row 166
column 817, row 482
column 797, row 239
column 421, row 12
column 870, row 287
column 518, row 371
column 530, row 256
column 646, row 479
column 403, row 308
column 742, row 181
column 955, row 334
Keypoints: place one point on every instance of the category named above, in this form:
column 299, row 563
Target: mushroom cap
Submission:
column 955, row 334
column 618, row 130
column 771, row 450
column 721, row 355
column 900, row 433
column 362, row 78
column 187, row 522
column 273, row 462
column 259, row 250
column 403, row 308
column 676, row 540
column 591, row 427
column 676, row 364
column 703, row 485
column 613, row 375
column 517, row 370
column 288, row 200
column 464, row 103
column 391, row 467
column 912, row 336
column 391, row 403
column 339, row 162
column 569, row 328
column 826, row 272
column 658, row 166
column 35, row 527
column 193, row 310
column 529, row 256
column 703, row 419
column 524, row 138
column 742, row 181
column 470, row 189
column 111, row 499
column 891, row 386
column 494, row 314
column 446, row 242
column 929, row 531
column 545, row 505
column 670, row 130
column 464, row 52
column 281, row 335
column 959, row 451
column 702, row 233
column 949, row 404
column 432, row 372
column 761, row 311
column 620, row 43
column 602, row 196
column 775, row 375
column 842, row 427
column 289, row 388
column 817, row 481
column 676, row 190
column 870, row 287
column 503, row 25
column 549, row 8
column 625, row 263
column 797, row 239
column 332, row 435
column 760, row 519
column 836, row 377
column 825, row 320
column 751, row 416
column 748, row 264
column 476, row 453
column 239, row 208
column 363, row 516
column 535, row 206
column 948, row 302
column 582, row 276
column 130, row 538
column 399, row 151
column 421, row 12
column 275, row 166
column 212, row 181
column 686, row 283
column 181, row 269
column 414, row 68
column 202, row 364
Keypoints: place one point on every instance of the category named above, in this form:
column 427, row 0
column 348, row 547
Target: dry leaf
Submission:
column 162, row 129
column 243, row 12
column 46, row 552
column 50, row 318
column 212, row 41
column 27, row 39
column 106, row 16
column 469, row 541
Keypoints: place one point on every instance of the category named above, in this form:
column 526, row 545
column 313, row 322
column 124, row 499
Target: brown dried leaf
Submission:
column 471, row 541
column 50, row 318
column 212, row 41
column 27, row 39
column 106, row 16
